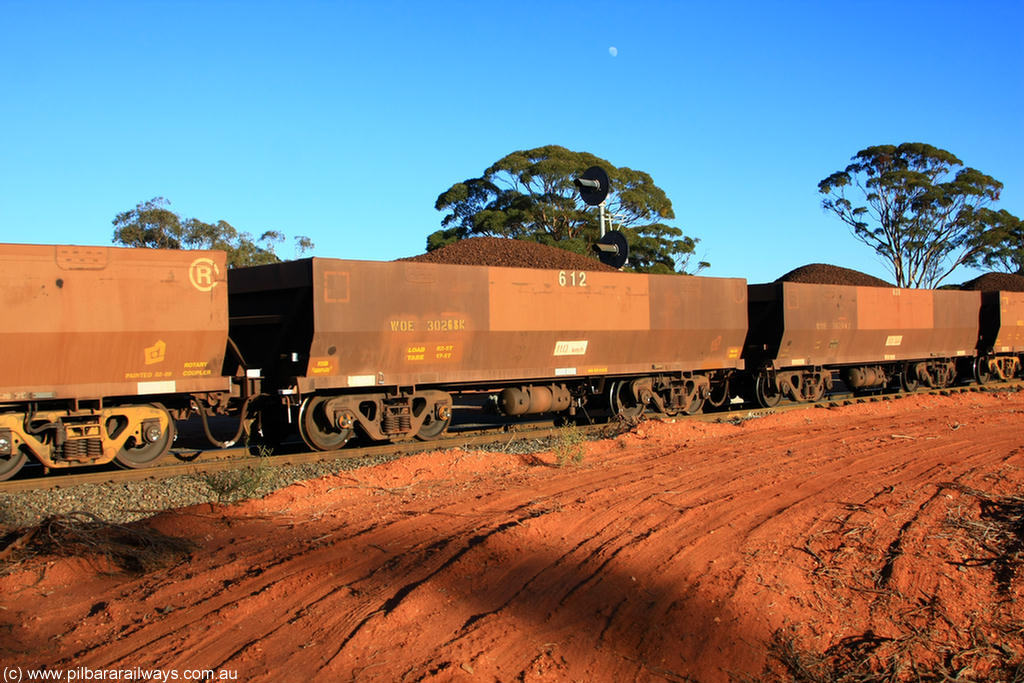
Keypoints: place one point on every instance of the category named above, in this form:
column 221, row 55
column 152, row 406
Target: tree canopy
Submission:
column 151, row 224
column 918, row 207
column 530, row 195
column 1005, row 252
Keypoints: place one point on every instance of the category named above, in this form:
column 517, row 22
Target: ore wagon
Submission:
column 801, row 333
column 383, row 346
column 100, row 344
column 1001, row 339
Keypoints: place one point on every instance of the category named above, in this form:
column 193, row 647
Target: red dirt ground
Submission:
column 677, row 552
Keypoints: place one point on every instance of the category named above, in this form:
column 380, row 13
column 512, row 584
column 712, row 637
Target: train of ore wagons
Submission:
column 105, row 348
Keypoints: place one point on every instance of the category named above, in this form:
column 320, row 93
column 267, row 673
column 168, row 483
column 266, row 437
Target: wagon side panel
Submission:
column 894, row 324
column 957, row 315
column 89, row 322
column 408, row 323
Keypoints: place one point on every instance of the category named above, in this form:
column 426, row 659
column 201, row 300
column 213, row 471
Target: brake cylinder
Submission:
column 553, row 398
column 862, row 377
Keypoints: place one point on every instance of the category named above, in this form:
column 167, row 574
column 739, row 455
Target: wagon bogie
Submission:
column 685, row 393
column 327, row 422
column 936, row 374
column 131, row 435
column 1003, row 368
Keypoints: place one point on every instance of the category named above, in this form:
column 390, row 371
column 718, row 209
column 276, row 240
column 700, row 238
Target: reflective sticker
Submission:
column 322, row 366
column 889, row 356
column 564, row 371
column 894, row 340
column 798, row 361
column 733, row 352
column 362, row 380
column 167, row 387
column 571, row 348
column 961, row 353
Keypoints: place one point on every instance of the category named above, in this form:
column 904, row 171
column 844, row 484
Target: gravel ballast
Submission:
column 120, row 503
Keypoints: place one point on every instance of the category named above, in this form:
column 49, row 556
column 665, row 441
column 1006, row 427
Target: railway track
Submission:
column 192, row 461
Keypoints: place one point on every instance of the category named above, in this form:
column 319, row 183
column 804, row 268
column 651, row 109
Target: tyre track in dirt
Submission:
column 673, row 553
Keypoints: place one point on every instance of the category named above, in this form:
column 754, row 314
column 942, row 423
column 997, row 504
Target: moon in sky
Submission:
column 613, row 51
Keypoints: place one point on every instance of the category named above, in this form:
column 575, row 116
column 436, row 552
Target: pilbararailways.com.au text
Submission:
column 14, row 674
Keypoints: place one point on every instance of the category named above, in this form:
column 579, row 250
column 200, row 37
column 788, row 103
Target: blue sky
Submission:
column 343, row 121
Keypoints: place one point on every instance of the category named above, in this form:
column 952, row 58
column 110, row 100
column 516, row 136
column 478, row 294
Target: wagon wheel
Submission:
column 622, row 401
column 767, row 394
column 982, row 372
column 432, row 427
column 316, row 427
column 719, row 394
column 133, row 454
column 908, row 379
column 694, row 403
column 11, row 464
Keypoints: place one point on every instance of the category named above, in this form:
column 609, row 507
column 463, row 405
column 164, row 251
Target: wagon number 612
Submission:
column 572, row 278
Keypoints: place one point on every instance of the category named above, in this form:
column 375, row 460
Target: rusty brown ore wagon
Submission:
column 1001, row 338
column 800, row 334
column 101, row 345
column 383, row 346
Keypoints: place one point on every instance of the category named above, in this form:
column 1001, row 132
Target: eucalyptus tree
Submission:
column 530, row 195
column 152, row 225
column 918, row 207
column 1004, row 253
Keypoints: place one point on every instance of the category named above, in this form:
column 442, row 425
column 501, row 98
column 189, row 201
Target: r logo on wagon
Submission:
column 203, row 274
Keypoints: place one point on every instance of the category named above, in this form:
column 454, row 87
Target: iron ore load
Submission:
column 108, row 347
